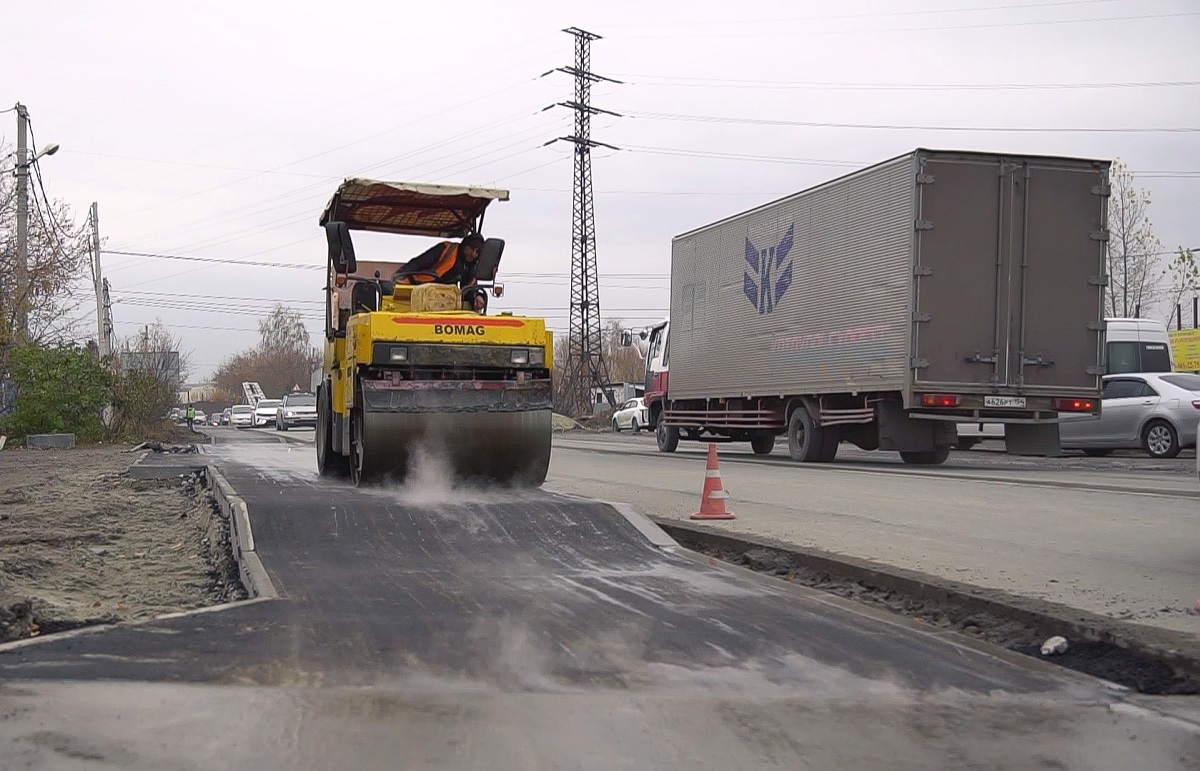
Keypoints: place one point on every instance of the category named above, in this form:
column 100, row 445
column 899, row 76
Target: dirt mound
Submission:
column 81, row 543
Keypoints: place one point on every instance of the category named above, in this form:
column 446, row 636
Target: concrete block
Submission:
column 50, row 441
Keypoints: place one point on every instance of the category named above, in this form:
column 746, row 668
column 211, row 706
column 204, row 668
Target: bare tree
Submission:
column 625, row 365
column 1134, row 251
column 58, row 258
column 152, row 366
column 155, row 351
column 284, row 358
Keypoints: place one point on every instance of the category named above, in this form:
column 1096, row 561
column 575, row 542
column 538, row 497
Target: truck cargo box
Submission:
column 971, row 273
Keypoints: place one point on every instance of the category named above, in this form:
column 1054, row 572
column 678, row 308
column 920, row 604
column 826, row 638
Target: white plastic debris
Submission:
column 1054, row 645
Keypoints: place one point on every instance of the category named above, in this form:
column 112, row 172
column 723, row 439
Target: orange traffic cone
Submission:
column 712, row 500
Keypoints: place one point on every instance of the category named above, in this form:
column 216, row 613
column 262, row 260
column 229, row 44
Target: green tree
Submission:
column 60, row 389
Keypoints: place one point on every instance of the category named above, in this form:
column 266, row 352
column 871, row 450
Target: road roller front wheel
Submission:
column 330, row 462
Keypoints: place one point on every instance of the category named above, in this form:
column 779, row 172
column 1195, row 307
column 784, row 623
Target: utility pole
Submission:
column 22, row 267
column 586, row 367
column 108, row 330
column 102, row 341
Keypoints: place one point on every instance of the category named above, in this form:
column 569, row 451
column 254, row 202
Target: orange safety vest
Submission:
column 445, row 263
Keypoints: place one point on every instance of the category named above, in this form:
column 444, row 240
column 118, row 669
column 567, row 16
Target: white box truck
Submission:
column 884, row 307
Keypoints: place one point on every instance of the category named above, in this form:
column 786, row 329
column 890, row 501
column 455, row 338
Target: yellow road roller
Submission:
column 416, row 370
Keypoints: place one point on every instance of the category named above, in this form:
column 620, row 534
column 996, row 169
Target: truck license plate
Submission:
column 1004, row 401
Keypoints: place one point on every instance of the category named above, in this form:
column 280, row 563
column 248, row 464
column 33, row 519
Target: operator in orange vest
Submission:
column 444, row 263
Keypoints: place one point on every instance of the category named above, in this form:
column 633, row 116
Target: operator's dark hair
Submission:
column 475, row 240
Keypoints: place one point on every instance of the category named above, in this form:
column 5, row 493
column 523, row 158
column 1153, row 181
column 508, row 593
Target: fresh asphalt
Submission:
column 435, row 590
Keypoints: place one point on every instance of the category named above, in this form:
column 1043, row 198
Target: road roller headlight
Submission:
column 537, row 357
column 519, row 356
column 398, row 353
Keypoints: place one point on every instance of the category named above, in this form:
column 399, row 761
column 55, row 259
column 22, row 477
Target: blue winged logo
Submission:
column 770, row 273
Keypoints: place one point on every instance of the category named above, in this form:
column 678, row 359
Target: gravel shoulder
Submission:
column 81, row 543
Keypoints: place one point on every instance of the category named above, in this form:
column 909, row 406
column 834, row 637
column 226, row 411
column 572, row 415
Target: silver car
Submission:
column 1157, row 412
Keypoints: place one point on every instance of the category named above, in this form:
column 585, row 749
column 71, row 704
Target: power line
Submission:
column 851, row 16
column 307, row 266
column 689, row 82
column 900, row 127
column 938, row 28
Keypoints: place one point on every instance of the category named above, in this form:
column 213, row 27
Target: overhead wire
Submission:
column 926, row 28
column 692, row 82
column 902, row 127
column 676, row 23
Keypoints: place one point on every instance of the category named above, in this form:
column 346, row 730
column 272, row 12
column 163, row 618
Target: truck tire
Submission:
column 806, row 440
column 330, row 463
column 762, row 444
column 926, row 457
column 667, row 436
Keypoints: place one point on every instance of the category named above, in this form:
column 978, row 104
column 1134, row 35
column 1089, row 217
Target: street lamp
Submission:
column 24, row 162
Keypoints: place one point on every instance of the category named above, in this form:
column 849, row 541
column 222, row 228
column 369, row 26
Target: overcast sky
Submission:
column 220, row 129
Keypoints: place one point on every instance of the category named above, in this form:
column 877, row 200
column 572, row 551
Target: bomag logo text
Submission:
column 457, row 329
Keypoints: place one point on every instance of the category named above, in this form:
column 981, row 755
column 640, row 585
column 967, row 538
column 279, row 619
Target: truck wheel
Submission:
column 926, row 457
column 667, row 436
column 1160, row 439
column 806, row 440
column 762, row 444
column 330, row 463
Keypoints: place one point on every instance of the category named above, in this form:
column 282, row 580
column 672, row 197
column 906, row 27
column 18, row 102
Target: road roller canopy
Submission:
column 407, row 208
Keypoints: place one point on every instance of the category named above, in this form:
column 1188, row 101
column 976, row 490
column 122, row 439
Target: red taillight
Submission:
column 939, row 400
column 1074, row 405
column 1196, row 404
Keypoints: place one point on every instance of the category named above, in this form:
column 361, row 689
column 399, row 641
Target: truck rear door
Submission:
column 1010, row 260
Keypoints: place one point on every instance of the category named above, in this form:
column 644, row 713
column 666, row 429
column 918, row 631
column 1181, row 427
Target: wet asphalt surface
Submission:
column 511, row 595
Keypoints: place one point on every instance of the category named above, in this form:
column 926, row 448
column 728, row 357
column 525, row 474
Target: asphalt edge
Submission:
column 908, row 472
column 253, row 574
column 1179, row 650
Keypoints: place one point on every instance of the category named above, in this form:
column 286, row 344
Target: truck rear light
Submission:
column 1074, row 405
column 939, row 400
column 1196, row 404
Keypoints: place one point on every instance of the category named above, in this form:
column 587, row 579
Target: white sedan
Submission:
column 632, row 415
column 265, row 411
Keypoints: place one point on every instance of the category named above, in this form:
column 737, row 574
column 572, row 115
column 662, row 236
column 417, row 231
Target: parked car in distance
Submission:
column 200, row 418
column 632, row 415
column 214, row 419
column 1154, row 411
column 1131, row 346
column 264, row 411
column 226, row 416
column 241, row 416
column 298, row 409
